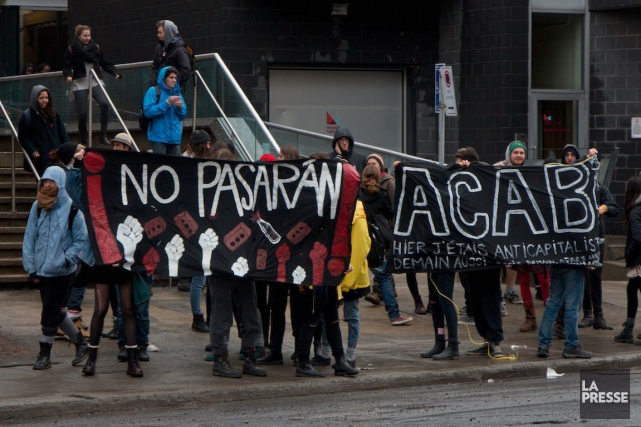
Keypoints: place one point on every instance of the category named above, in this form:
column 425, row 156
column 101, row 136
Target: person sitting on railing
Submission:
column 167, row 110
column 80, row 58
column 40, row 129
column 170, row 52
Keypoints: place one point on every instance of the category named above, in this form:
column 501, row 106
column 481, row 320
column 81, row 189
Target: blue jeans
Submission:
column 350, row 313
column 197, row 284
column 141, row 311
column 387, row 290
column 75, row 296
column 169, row 149
column 566, row 285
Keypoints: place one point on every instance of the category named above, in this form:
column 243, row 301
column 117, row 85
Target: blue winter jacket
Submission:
column 50, row 248
column 166, row 120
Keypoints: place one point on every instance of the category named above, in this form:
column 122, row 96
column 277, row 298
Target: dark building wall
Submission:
column 252, row 35
column 493, row 103
column 615, row 94
column 9, row 23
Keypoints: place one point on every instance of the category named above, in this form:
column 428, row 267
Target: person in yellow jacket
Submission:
column 355, row 284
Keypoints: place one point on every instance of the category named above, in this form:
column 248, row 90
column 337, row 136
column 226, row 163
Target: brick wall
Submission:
column 615, row 94
column 249, row 35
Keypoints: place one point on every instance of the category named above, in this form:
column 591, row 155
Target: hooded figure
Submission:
column 40, row 130
column 51, row 247
column 508, row 154
column 171, row 52
column 166, row 124
column 348, row 155
column 569, row 148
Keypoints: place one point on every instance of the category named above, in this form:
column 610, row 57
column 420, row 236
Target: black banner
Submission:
column 458, row 218
column 177, row 216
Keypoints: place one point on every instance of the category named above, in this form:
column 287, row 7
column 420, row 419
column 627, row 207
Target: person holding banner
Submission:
column 166, row 112
column 632, row 215
column 376, row 202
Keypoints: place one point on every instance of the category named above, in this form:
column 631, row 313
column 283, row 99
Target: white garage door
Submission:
column 369, row 103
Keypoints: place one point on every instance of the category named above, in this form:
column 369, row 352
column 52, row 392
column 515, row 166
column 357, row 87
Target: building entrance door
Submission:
column 556, row 120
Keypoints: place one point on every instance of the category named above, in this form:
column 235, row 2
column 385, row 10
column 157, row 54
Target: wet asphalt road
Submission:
column 529, row 401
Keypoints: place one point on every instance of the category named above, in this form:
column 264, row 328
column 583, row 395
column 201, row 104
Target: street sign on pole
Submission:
column 437, row 92
column 447, row 90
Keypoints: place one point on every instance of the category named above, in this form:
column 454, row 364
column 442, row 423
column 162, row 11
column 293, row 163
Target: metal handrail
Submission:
column 356, row 144
column 248, row 104
column 14, row 137
column 227, row 122
column 111, row 104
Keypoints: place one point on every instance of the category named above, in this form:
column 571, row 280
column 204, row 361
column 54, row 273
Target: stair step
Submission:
column 12, row 234
column 14, row 278
column 6, row 261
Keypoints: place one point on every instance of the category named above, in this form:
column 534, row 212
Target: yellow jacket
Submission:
column 355, row 284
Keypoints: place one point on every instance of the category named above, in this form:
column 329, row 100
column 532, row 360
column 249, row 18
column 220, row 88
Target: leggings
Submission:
column 634, row 286
column 81, row 98
column 524, row 283
column 103, row 292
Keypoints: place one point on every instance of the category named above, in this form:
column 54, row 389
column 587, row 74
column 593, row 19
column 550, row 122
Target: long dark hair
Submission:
column 370, row 178
column 632, row 193
column 49, row 109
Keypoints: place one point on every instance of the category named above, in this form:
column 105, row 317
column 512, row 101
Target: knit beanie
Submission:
column 379, row 159
column 66, row 152
column 267, row 157
column 569, row 147
column 516, row 144
column 199, row 137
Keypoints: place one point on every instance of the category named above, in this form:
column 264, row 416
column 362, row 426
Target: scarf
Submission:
column 47, row 197
column 87, row 51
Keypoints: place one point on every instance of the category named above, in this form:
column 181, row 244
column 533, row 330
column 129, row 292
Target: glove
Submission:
column 603, row 209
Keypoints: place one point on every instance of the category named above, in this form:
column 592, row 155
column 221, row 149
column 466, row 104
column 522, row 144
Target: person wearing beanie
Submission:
column 199, row 145
column 267, row 157
column 570, row 154
column 343, row 149
column 66, row 152
column 122, row 142
column 40, row 129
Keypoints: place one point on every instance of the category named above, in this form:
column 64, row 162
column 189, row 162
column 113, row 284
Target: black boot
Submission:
column 342, row 369
column 90, row 366
column 249, row 365
column 133, row 368
column 626, row 334
column 113, row 334
column 271, row 358
column 143, row 356
column 222, row 367
column 600, row 323
column 44, row 357
column 439, row 346
column 199, row 324
column 122, row 356
column 82, row 349
column 305, row 369
column 451, row 352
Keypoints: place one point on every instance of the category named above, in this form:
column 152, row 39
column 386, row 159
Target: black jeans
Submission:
column 441, row 288
column 81, row 98
column 321, row 301
column 633, row 289
column 53, row 294
column 469, row 310
column 593, row 290
column 485, row 288
column 224, row 289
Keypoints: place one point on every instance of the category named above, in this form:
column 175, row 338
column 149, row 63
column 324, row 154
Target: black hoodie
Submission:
column 354, row 158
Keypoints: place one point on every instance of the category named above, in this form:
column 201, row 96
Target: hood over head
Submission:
column 161, row 80
column 33, row 100
column 59, row 176
column 514, row 145
column 569, row 147
column 171, row 32
column 340, row 133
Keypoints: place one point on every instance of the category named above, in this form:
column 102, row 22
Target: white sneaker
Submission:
column 153, row 348
column 512, row 297
column 503, row 310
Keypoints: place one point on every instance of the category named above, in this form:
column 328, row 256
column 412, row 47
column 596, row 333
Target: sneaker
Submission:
column 496, row 350
column 209, row 357
column 462, row 310
column 586, row 322
column 558, row 331
column 319, row 360
column 503, row 309
column 400, row 320
column 152, row 348
column 543, row 352
column 512, row 298
column 479, row 351
column 576, row 353
column 466, row 320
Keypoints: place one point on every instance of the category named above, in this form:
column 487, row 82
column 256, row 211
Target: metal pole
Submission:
column 13, row 173
column 89, row 115
column 441, row 135
column 193, row 123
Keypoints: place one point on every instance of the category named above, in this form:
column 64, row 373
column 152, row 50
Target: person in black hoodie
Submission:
column 170, row 52
column 40, row 129
column 80, row 58
column 343, row 149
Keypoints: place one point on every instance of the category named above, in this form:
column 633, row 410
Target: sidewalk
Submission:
column 178, row 375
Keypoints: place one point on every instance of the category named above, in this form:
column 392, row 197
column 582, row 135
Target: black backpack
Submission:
column 143, row 121
column 381, row 236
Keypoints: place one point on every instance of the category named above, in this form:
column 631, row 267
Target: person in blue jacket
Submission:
column 166, row 108
column 52, row 248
